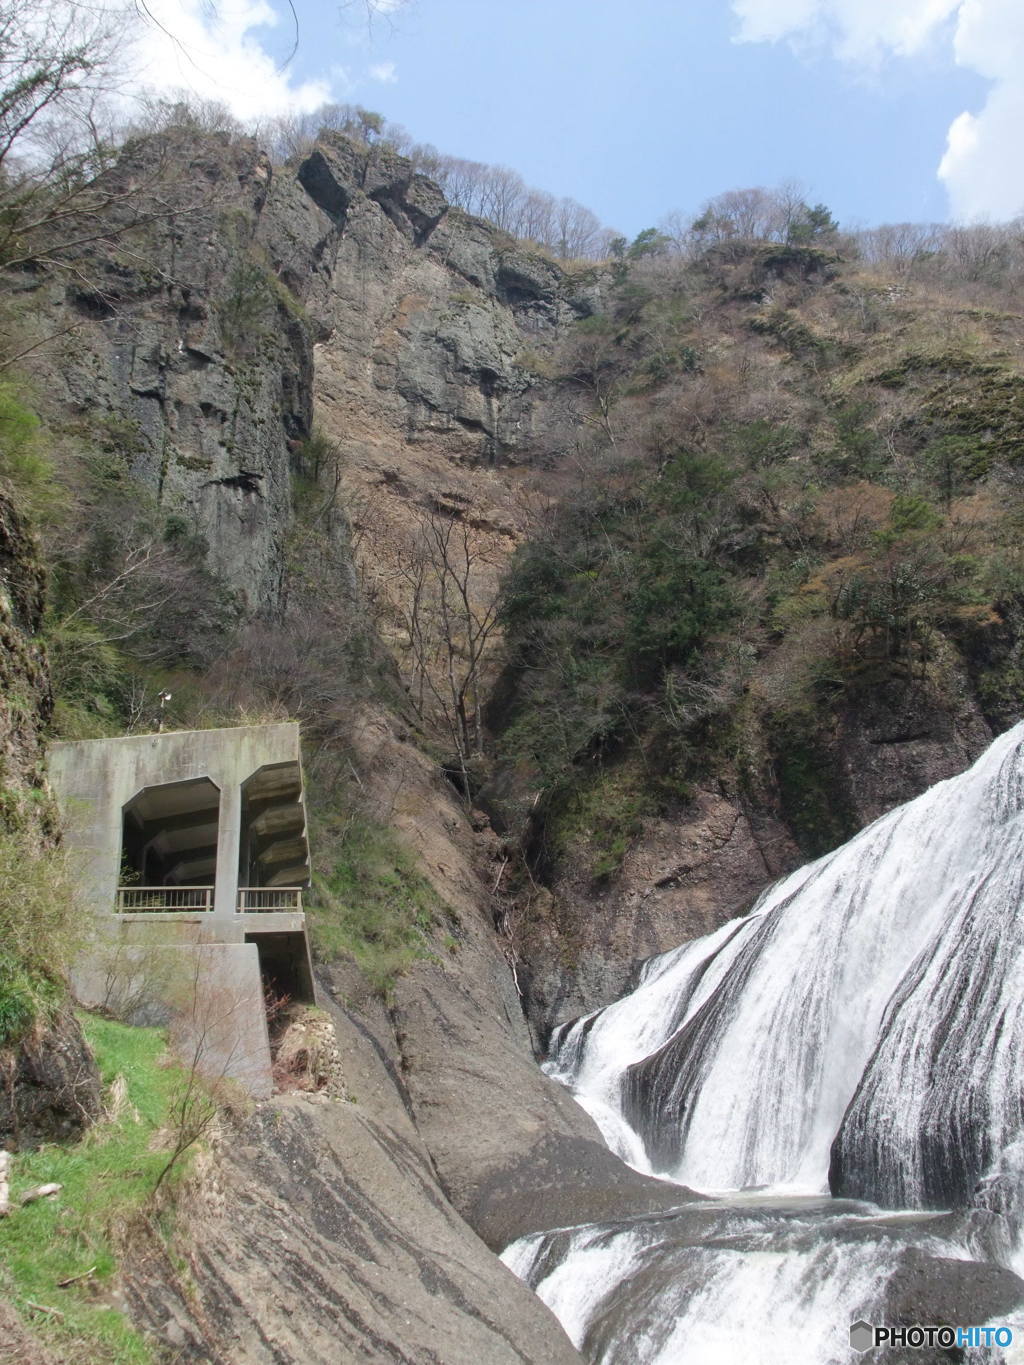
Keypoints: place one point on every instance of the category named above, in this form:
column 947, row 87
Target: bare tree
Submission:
column 577, row 230
column 55, row 63
column 75, row 181
column 449, row 626
column 593, row 363
column 211, row 1034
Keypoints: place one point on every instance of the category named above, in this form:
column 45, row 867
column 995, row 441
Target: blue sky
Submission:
column 887, row 110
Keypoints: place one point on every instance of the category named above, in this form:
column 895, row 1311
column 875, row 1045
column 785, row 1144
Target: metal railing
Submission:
column 135, row 900
column 264, row 900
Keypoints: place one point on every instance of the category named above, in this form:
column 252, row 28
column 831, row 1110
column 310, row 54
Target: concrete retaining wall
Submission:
column 209, row 995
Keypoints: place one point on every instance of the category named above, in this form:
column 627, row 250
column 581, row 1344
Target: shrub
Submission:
column 19, row 996
column 372, row 903
column 41, row 927
column 25, row 465
column 245, row 310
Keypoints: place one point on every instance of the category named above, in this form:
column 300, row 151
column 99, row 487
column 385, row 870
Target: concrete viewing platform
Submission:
column 190, row 851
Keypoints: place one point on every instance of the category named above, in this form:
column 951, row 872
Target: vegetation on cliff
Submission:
column 40, row 921
column 797, row 493
column 781, row 486
column 61, row 1254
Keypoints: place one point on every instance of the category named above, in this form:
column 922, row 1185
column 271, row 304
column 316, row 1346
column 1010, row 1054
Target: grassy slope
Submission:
column 108, row 1178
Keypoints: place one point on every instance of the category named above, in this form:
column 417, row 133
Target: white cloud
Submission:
column 214, row 52
column 858, row 30
column 384, row 72
column 981, row 166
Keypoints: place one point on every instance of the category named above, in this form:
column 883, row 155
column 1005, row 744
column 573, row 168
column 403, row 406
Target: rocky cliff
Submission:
column 193, row 341
column 436, row 358
column 187, row 357
column 333, row 326
column 25, row 698
column 430, row 374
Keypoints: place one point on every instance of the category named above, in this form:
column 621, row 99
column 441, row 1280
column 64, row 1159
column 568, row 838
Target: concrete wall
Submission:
column 209, row 996
column 94, row 780
column 191, row 971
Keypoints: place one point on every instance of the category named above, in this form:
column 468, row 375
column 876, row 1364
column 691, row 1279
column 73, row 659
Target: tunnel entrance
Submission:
column 284, row 966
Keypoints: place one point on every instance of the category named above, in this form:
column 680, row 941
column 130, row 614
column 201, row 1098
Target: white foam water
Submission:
column 861, row 1031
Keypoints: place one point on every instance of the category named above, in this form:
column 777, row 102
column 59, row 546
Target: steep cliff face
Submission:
column 193, row 340
column 508, row 1146
column 343, row 294
column 188, row 359
column 429, row 375
column 25, row 700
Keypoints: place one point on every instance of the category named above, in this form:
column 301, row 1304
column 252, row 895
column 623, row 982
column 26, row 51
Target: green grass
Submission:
column 24, row 996
column 372, row 904
column 108, row 1177
column 41, row 926
column 598, row 818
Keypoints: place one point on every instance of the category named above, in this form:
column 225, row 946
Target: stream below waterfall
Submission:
column 841, row 1074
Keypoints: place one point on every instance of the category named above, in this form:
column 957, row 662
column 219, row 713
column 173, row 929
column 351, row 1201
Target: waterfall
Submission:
column 762, row 1286
column 859, row 1033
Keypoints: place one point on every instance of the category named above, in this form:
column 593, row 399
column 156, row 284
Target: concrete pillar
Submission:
column 225, row 898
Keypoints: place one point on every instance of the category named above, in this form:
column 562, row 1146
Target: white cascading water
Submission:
column 860, row 1032
column 758, row 1286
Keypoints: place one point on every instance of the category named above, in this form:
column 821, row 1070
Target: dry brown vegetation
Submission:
column 852, row 416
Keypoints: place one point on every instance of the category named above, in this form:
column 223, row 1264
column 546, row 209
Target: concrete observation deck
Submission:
column 191, row 854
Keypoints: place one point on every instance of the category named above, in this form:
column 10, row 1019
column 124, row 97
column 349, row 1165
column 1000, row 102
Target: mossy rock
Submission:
column 918, row 363
column 991, row 413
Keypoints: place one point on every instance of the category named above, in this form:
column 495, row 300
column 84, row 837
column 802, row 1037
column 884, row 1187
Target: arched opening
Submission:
column 169, row 847
column 273, row 869
column 284, row 967
column 272, row 849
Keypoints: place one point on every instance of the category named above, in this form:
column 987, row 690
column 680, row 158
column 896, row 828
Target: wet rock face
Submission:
column 49, row 1085
column 681, row 878
column 899, row 741
column 685, row 876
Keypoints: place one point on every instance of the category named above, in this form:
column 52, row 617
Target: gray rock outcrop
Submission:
column 319, row 1233
column 49, row 1084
